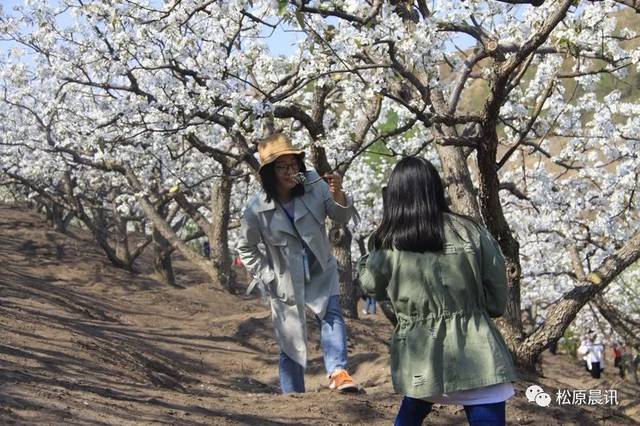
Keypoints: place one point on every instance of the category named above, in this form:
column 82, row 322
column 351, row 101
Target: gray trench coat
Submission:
column 278, row 267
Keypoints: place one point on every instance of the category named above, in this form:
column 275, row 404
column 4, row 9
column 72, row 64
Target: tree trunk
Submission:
column 67, row 220
column 389, row 312
column 340, row 238
column 162, row 259
column 626, row 327
column 122, row 237
column 98, row 226
column 219, row 232
column 457, row 181
column 55, row 216
column 511, row 323
column 168, row 233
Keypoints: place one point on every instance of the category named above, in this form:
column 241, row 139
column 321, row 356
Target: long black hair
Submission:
column 269, row 181
column 413, row 208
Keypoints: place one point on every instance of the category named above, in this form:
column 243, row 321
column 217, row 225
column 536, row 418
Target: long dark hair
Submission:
column 413, row 208
column 269, row 181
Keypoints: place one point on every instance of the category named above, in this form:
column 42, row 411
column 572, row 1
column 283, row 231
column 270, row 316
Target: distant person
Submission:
column 370, row 306
column 584, row 350
column 592, row 351
column 297, row 268
column 617, row 358
column 630, row 362
column 445, row 278
column 206, row 249
column 597, row 358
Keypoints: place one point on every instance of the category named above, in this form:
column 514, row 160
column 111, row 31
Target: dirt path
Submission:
column 82, row 342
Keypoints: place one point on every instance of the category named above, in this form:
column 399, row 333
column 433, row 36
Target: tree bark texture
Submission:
column 165, row 230
column 162, row 259
column 56, row 216
column 341, row 237
column 219, row 232
column 494, row 219
column 457, row 180
column 626, row 327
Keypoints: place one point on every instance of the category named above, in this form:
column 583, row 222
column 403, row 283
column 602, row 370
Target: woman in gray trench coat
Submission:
column 285, row 247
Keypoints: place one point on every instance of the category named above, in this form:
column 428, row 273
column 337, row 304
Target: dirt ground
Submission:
column 82, row 342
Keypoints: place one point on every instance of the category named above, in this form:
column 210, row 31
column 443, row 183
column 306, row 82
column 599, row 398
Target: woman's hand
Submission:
column 335, row 186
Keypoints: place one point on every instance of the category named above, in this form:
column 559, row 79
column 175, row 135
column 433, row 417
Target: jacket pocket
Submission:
column 274, row 239
column 278, row 255
column 279, row 291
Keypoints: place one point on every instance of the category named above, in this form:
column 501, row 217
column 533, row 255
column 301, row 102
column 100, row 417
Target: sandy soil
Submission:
column 82, row 342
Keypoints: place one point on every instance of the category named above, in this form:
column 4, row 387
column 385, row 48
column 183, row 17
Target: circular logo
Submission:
column 532, row 391
column 543, row 399
column 536, row 394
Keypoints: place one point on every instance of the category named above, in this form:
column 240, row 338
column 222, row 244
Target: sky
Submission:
column 280, row 42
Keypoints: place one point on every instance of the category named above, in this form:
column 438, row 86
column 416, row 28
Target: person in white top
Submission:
column 596, row 356
column 583, row 350
column 593, row 355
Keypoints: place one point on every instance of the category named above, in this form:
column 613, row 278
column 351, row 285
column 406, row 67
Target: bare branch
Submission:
column 532, row 120
column 513, row 189
column 469, row 63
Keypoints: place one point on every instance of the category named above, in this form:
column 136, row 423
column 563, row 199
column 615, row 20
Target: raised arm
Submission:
column 338, row 204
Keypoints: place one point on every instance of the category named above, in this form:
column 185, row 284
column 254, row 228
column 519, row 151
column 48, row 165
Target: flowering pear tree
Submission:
column 66, row 190
column 124, row 119
column 520, row 106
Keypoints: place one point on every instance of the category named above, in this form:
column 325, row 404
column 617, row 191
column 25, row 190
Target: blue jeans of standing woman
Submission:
column 413, row 411
column 333, row 339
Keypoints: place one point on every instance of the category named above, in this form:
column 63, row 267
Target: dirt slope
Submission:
column 82, row 342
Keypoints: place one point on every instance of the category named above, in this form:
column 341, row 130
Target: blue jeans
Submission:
column 371, row 305
column 333, row 339
column 413, row 411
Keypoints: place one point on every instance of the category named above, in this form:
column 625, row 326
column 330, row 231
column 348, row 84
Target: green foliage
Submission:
column 190, row 229
column 570, row 343
column 282, row 6
column 376, row 153
column 390, row 124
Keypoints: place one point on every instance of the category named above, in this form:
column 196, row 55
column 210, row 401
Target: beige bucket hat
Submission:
column 274, row 146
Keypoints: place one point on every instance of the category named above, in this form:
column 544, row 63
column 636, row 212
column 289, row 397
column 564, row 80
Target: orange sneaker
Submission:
column 342, row 381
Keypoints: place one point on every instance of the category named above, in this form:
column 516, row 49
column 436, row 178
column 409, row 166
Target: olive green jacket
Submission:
column 445, row 340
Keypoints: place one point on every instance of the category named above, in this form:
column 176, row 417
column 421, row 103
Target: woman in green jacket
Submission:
column 445, row 277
